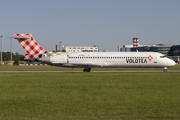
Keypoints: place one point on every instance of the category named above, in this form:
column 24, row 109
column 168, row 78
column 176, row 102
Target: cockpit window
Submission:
column 163, row 56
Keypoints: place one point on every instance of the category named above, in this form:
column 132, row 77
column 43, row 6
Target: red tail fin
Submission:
column 32, row 48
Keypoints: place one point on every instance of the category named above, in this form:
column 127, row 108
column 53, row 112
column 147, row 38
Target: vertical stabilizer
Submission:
column 32, row 48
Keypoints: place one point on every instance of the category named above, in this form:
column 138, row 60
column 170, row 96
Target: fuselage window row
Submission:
column 108, row 57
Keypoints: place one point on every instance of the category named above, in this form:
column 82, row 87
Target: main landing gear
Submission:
column 165, row 69
column 87, row 70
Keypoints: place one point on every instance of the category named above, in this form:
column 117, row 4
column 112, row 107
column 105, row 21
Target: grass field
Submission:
column 91, row 96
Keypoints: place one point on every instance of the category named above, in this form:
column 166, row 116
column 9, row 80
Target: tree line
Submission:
column 6, row 56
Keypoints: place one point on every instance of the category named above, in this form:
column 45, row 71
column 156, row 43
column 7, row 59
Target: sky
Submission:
column 106, row 23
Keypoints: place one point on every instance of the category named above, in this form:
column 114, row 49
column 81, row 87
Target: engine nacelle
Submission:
column 55, row 59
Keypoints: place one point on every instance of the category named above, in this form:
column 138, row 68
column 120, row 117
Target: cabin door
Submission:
column 155, row 59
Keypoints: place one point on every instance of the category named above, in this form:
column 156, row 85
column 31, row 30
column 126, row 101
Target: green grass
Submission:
column 91, row 96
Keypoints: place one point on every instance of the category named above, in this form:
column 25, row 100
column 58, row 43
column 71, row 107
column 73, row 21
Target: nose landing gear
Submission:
column 165, row 69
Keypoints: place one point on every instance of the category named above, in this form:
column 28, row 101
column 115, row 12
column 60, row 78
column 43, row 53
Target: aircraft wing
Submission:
column 89, row 64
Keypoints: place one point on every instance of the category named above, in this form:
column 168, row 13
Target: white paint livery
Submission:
column 88, row 60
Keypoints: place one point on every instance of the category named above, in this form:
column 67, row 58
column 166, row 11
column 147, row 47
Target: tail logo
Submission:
column 32, row 48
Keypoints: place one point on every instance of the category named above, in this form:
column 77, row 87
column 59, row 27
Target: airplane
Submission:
column 88, row 60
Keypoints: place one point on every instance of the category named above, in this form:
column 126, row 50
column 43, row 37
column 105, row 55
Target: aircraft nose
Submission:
column 171, row 63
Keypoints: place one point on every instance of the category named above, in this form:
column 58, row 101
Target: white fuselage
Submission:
column 108, row 59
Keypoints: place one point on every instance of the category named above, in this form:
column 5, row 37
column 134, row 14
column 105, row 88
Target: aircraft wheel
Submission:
column 87, row 70
column 165, row 69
